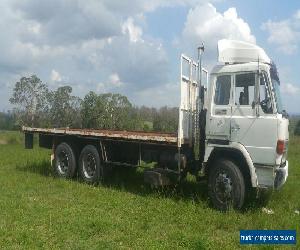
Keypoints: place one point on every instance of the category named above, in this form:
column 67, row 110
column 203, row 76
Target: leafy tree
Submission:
column 64, row 108
column 29, row 97
column 147, row 115
column 35, row 105
column 297, row 128
column 117, row 110
column 89, row 110
column 108, row 111
column 166, row 120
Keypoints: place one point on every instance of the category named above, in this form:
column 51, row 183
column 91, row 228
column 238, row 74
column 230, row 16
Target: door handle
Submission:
column 221, row 111
column 235, row 128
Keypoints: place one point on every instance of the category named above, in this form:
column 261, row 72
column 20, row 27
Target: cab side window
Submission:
column 222, row 91
column 244, row 89
column 265, row 97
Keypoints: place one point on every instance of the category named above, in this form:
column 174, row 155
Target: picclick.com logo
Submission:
column 268, row 237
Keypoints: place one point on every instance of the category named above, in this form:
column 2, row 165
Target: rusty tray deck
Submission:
column 147, row 137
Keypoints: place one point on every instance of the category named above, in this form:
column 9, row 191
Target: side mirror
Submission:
column 285, row 114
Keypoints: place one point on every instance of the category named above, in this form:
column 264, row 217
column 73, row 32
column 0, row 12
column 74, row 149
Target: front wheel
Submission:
column 226, row 185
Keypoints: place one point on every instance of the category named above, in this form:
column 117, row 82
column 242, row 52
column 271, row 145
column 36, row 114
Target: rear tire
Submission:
column 226, row 185
column 90, row 168
column 65, row 161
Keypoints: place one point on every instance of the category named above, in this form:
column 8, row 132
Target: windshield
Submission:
column 276, row 84
column 277, row 96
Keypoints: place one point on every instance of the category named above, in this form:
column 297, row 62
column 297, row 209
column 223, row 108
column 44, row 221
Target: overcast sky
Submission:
column 133, row 47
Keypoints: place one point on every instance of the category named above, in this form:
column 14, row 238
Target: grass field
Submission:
column 40, row 211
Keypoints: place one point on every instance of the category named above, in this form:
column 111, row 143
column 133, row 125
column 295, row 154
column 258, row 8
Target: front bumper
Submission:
column 281, row 174
column 271, row 177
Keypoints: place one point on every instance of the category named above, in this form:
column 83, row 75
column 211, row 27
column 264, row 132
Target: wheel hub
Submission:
column 89, row 166
column 63, row 162
column 223, row 186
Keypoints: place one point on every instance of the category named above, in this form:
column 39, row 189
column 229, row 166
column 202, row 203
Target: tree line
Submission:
column 37, row 106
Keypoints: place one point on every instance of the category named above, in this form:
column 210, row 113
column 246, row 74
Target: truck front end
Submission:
column 281, row 162
column 246, row 125
column 268, row 150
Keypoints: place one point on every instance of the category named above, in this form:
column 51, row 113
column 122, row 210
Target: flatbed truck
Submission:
column 232, row 130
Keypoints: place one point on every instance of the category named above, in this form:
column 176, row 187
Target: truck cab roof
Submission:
column 232, row 51
column 239, row 67
column 239, row 56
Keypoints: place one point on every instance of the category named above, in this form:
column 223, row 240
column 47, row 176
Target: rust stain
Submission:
column 129, row 135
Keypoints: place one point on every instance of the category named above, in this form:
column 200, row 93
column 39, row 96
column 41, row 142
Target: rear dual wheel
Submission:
column 90, row 167
column 65, row 161
column 89, row 163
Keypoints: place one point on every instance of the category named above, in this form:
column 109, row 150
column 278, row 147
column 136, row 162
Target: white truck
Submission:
column 232, row 129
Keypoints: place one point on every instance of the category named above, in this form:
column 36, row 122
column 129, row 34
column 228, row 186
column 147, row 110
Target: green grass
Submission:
column 40, row 211
column 9, row 137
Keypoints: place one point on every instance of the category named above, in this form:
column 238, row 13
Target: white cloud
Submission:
column 139, row 65
column 285, row 34
column 134, row 32
column 113, row 84
column 34, row 27
column 55, row 76
column 101, row 87
column 66, row 22
column 132, row 7
column 101, row 45
column 290, row 89
column 70, row 37
column 114, row 80
column 297, row 14
column 205, row 23
column 166, row 94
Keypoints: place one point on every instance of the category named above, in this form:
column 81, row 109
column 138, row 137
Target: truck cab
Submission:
column 246, row 124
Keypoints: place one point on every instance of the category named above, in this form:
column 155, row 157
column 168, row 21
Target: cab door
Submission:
column 243, row 113
column 253, row 125
column 220, row 110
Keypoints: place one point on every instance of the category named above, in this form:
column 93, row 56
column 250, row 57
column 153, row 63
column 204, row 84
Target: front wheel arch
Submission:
column 235, row 156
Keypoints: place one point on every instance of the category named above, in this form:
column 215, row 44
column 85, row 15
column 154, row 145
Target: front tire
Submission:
column 226, row 185
column 90, row 168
